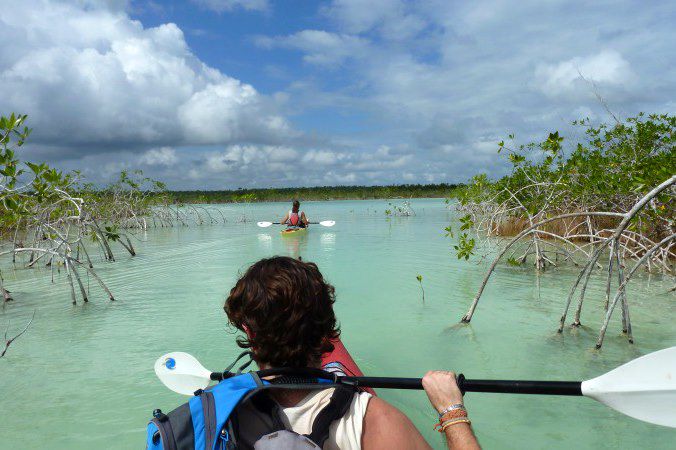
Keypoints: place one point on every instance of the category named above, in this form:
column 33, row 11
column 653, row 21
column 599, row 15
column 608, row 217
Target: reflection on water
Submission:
column 328, row 241
column 296, row 244
column 264, row 241
column 96, row 387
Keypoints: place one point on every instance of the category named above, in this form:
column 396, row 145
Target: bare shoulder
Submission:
column 387, row 427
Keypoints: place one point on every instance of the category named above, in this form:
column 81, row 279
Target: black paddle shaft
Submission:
column 465, row 385
column 497, row 386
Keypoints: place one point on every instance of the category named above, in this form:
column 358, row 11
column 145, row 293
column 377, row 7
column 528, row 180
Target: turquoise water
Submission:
column 82, row 376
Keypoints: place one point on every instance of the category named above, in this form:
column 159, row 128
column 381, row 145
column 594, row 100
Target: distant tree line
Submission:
column 442, row 190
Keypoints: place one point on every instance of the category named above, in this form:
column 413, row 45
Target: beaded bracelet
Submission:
column 450, row 416
column 449, row 423
column 451, row 408
column 455, row 414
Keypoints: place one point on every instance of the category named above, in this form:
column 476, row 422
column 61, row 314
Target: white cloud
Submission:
column 464, row 75
column 226, row 111
column 377, row 164
column 282, row 154
column 582, row 112
column 285, row 166
column 163, row 156
column 339, row 178
column 229, row 5
column 112, row 169
column 321, row 157
column 486, row 147
column 382, row 159
column 320, row 47
column 605, row 68
column 90, row 75
column 357, row 16
column 391, row 90
column 388, row 16
column 241, row 158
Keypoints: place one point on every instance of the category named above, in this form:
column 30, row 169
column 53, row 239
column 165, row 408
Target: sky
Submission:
column 222, row 94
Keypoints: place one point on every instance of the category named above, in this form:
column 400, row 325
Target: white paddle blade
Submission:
column 327, row 223
column 182, row 373
column 264, row 224
column 644, row 388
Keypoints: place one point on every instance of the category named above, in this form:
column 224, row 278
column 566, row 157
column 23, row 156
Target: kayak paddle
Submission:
column 324, row 223
column 181, row 372
column 644, row 388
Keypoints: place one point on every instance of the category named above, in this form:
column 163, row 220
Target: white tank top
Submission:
column 344, row 434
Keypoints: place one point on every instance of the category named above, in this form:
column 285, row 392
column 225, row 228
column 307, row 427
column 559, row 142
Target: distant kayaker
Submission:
column 295, row 217
column 285, row 308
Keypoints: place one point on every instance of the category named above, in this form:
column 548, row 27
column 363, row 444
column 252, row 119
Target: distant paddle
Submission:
column 644, row 388
column 324, row 223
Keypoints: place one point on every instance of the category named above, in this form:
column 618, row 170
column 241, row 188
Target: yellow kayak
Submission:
column 294, row 232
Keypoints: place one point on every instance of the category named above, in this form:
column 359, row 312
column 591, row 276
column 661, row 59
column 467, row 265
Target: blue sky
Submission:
column 211, row 94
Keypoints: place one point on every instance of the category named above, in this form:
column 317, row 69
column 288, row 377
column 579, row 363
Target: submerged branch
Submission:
column 9, row 341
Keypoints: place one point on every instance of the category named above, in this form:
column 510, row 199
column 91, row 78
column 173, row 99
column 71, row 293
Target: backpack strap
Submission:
column 266, row 405
column 165, row 431
column 338, row 405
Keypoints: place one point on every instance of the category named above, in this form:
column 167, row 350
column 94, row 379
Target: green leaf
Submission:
column 513, row 261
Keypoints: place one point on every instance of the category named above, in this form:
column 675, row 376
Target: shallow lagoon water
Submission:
column 82, row 376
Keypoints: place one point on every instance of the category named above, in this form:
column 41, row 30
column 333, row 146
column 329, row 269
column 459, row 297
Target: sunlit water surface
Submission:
column 82, row 376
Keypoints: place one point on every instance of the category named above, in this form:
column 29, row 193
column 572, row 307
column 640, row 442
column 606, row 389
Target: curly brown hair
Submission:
column 286, row 309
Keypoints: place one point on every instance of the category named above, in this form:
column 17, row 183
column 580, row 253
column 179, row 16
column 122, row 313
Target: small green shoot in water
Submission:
column 419, row 278
column 513, row 261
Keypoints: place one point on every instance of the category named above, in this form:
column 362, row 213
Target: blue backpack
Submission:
column 238, row 413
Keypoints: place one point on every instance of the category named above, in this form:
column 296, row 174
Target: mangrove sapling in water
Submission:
column 49, row 217
column 612, row 195
column 403, row 210
column 422, row 289
column 44, row 220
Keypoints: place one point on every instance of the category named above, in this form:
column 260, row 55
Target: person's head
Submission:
column 296, row 206
column 286, row 310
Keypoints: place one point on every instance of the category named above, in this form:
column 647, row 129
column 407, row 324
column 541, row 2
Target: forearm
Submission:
column 442, row 390
column 461, row 437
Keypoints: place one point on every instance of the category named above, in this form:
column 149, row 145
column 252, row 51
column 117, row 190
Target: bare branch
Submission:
column 8, row 342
